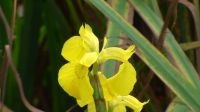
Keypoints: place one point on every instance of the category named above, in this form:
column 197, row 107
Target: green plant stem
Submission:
column 100, row 104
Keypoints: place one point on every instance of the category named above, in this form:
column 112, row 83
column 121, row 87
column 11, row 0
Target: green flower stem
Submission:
column 98, row 91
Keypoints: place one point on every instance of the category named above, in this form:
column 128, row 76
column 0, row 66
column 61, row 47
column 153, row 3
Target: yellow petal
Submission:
column 115, row 105
column 116, row 54
column 76, row 83
column 122, row 82
column 133, row 103
column 91, row 107
column 91, row 42
column 119, row 108
column 105, row 42
column 89, row 58
column 130, row 51
column 108, row 92
column 120, row 102
column 73, row 49
column 86, row 92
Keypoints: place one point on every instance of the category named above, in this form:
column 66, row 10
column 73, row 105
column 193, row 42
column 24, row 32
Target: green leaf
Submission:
column 26, row 54
column 178, row 106
column 190, row 45
column 154, row 59
column 114, row 35
column 6, row 6
column 57, row 30
column 171, row 46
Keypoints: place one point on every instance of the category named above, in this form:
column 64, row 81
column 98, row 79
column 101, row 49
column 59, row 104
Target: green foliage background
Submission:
column 45, row 25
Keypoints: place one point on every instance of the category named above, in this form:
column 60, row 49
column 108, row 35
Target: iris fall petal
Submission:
column 76, row 83
column 122, row 82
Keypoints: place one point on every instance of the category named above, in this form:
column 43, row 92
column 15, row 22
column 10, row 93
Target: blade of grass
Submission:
column 19, row 82
column 197, row 29
column 194, row 9
column 154, row 59
column 170, row 44
column 73, row 13
column 26, row 57
column 183, row 31
column 114, row 35
column 190, row 45
column 57, row 30
column 4, row 63
column 6, row 7
column 170, row 12
column 177, row 106
column 154, row 6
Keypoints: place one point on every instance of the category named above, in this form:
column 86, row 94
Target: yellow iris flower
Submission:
column 83, row 51
column 117, row 88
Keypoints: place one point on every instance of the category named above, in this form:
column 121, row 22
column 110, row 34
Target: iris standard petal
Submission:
column 116, row 54
column 73, row 49
column 122, row 82
column 76, row 83
column 89, row 58
column 91, row 42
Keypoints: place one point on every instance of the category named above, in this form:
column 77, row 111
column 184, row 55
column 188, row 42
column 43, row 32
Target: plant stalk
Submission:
column 99, row 100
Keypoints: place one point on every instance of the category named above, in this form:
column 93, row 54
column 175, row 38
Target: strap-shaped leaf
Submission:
column 171, row 46
column 154, row 59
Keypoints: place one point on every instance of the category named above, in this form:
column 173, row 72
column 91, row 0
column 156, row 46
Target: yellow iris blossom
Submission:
column 116, row 90
column 83, row 51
